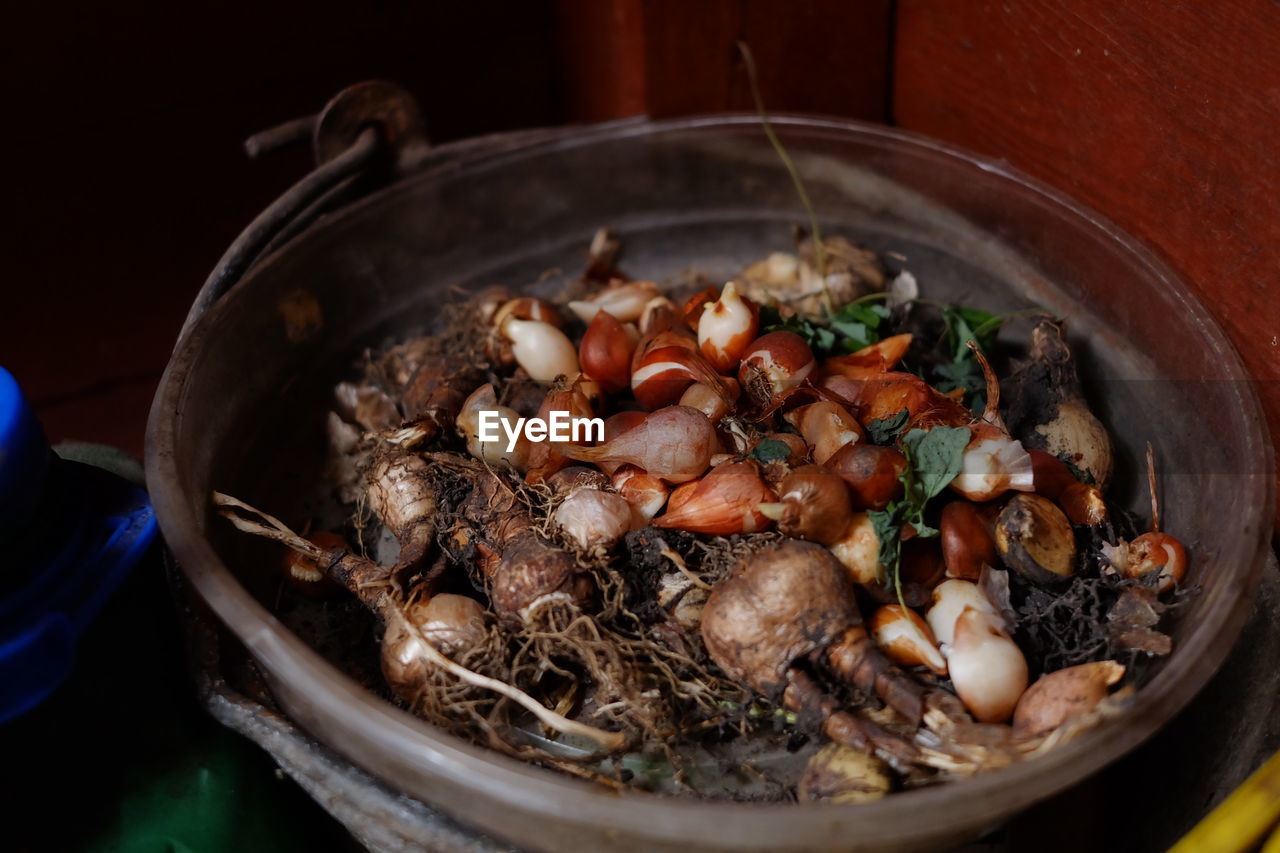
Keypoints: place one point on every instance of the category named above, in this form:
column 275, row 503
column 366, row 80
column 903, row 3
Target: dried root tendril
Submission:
column 275, row 529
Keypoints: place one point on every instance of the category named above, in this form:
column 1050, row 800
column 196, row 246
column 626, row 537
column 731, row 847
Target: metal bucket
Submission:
column 240, row 409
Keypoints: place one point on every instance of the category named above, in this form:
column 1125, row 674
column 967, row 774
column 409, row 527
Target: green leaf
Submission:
column 819, row 338
column 935, row 457
column 888, row 526
column 859, row 322
column 770, row 450
column 968, row 324
column 887, row 430
column 857, row 335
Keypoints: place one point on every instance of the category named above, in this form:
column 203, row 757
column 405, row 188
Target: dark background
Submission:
column 125, row 179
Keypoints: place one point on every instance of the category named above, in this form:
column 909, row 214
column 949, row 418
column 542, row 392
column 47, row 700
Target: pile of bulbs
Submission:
column 692, row 392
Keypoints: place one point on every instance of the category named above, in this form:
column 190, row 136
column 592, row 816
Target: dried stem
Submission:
column 820, row 253
column 1151, row 484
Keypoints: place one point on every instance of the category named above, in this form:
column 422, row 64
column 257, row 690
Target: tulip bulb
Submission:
column 813, row 503
column 691, row 311
column 1035, row 539
column 966, row 544
column 950, row 598
column 606, row 350
column 645, row 493
column 592, row 519
column 858, row 550
column 625, row 302
column 826, row 427
column 1150, row 552
column 841, row 774
column 873, row 473
column 492, row 452
column 885, row 395
column 1082, row 503
column 528, row 308
column 724, row 502
column 1067, row 693
column 662, row 375
column 544, row 457
column 452, row 624
column 906, row 639
column 708, row 400
column 986, row 667
column 993, row 464
column 725, row 328
column 541, row 349
column 774, row 363
column 674, row 444
column 659, row 315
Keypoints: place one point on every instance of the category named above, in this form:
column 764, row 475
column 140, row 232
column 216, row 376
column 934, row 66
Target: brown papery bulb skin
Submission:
column 922, row 563
column 870, row 361
column 1063, row 695
column 592, row 519
column 674, row 444
column 774, row 363
column 1082, row 503
column 303, row 574
column 826, row 427
column 883, row 396
column 847, row 390
column 906, row 639
column 453, row 624
column 776, row 608
column 544, row 457
column 966, row 544
column 1152, row 552
column 815, row 505
column 663, row 374
column 528, row 308
column 605, row 352
column 646, row 493
column 726, row 327
column 616, row 424
column 529, row 571
column 707, row 400
column 872, row 473
column 724, row 502
column 691, row 311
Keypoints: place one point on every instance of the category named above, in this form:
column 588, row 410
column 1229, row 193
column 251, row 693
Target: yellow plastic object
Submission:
column 1242, row 818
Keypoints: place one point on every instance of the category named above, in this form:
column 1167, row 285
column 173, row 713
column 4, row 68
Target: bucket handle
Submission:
column 367, row 134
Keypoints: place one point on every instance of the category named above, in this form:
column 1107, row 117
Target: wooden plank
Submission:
column 1163, row 116
column 671, row 58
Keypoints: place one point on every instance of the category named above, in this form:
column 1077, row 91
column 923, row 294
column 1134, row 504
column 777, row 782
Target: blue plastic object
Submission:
column 69, row 533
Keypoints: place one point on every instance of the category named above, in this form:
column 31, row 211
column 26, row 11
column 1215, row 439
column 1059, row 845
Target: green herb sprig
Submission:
column 934, row 459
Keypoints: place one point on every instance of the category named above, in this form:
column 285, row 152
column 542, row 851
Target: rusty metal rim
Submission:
column 533, row 791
